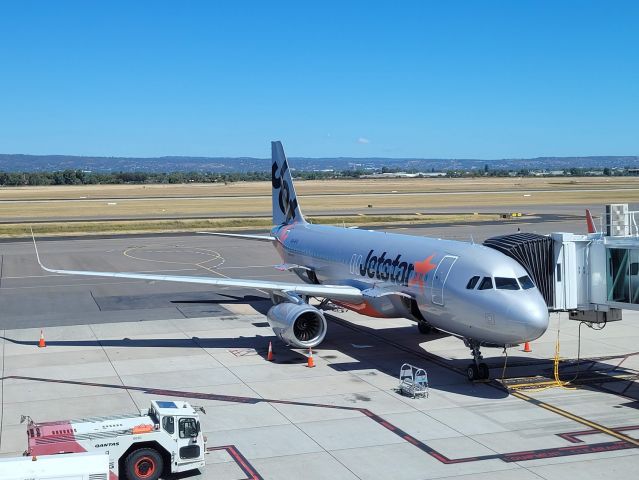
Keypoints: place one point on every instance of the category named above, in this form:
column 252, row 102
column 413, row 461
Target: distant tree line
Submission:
column 81, row 177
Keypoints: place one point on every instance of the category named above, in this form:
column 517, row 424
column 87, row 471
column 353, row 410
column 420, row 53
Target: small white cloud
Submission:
column 363, row 140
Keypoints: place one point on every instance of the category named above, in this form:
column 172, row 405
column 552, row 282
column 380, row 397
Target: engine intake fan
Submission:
column 299, row 325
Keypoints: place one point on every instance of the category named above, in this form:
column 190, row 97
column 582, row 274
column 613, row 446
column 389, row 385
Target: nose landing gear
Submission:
column 477, row 370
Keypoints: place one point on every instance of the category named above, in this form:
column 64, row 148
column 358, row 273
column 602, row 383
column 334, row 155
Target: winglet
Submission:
column 590, row 223
column 35, row 246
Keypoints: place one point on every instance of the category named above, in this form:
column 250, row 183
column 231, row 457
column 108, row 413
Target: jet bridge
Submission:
column 592, row 276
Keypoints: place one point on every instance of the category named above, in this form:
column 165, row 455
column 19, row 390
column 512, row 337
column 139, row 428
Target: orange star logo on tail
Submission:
column 421, row 270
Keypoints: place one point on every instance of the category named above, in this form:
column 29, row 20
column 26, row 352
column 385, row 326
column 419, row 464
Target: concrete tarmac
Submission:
column 114, row 344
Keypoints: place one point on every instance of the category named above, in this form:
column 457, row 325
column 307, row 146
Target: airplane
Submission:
column 467, row 290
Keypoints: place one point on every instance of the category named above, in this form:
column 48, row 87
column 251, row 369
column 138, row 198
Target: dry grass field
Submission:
column 317, row 187
column 142, row 207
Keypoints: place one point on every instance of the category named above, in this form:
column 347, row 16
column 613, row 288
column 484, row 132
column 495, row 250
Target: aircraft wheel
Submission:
column 472, row 372
column 424, row 328
column 484, row 372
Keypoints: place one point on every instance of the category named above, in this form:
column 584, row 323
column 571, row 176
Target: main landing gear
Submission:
column 477, row 370
column 425, row 328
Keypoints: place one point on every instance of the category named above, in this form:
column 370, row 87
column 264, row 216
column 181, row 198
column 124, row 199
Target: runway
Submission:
column 349, row 194
column 113, row 345
column 537, row 214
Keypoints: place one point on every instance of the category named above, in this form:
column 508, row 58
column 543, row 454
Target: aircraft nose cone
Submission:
column 537, row 320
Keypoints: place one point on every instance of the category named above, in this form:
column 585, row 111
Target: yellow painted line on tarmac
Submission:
column 518, row 386
column 575, row 418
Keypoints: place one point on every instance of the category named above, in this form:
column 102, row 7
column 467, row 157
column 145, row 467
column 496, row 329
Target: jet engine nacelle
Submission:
column 300, row 325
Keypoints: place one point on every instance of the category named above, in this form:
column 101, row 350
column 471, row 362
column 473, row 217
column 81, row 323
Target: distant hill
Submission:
column 48, row 163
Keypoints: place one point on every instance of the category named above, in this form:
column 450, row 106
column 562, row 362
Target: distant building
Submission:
column 432, row 174
column 404, row 175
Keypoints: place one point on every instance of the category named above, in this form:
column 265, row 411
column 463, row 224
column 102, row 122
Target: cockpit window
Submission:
column 503, row 283
column 526, row 282
column 486, row 284
column 472, row 282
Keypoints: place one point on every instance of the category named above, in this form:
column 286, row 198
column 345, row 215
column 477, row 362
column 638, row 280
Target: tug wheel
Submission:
column 144, row 464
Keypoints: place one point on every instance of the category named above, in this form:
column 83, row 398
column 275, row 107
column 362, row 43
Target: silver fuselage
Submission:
column 412, row 277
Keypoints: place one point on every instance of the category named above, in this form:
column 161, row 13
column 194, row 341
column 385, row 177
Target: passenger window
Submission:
column 472, row 282
column 503, row 283
column 526, row 282
column 188, row 428
column 168, row 424
column 486, row 284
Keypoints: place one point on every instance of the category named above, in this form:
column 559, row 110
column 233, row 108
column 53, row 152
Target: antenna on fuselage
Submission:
column 472, row 240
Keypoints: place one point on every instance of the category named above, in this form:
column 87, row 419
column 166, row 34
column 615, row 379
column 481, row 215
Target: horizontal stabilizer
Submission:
column 261, row 238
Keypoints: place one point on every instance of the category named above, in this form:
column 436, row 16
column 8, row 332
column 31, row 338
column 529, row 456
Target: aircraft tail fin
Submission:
column 590, row 223
column 285, row 207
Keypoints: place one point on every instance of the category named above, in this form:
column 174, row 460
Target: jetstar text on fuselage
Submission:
column 387, row 269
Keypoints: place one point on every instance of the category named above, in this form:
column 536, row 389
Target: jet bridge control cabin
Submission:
column 592, row 276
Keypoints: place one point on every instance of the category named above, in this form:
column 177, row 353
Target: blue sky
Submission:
column 481, row 79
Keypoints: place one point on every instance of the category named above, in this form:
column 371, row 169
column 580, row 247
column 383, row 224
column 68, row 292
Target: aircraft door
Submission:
column 439, row 279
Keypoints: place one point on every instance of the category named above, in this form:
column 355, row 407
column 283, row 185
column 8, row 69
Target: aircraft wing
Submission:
column 377, row 292
column 337, row 292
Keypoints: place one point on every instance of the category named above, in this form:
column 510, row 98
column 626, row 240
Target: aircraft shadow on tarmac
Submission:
column 370, row 351
column 260, row 304
column 366, row 360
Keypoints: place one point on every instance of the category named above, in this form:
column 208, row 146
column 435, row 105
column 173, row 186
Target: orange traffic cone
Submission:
column 527, row 348
column 310, row 363
column 269, row 356
column 41, row 343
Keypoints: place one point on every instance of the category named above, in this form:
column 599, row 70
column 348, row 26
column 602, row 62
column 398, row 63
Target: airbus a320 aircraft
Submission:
column 470, row 291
